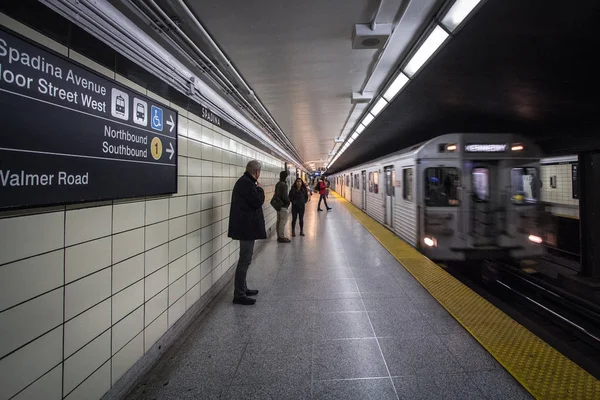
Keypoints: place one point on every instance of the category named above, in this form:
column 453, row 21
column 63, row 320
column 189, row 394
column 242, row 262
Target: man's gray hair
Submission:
column 253, row 167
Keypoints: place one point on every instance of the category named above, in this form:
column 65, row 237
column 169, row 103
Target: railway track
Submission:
column 569, row 324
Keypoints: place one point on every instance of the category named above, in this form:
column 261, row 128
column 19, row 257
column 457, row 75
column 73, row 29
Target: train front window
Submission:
column 441, row 187
column 525, row 185
column 481, row 184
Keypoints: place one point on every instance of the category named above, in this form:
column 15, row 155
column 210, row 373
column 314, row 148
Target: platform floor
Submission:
column 337, row 317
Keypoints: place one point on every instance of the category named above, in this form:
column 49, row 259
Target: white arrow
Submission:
column 170, row 150
column 171, row 123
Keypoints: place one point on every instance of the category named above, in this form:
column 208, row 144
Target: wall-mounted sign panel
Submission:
column 485, row 148
column 70, row 135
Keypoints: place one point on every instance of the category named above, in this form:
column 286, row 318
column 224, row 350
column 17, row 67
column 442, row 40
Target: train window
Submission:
column 481, row 184
column 370, row 182
column 356, row 181
column 525, row 185
column 375, row 182
column 441, row 187
column 407, row 184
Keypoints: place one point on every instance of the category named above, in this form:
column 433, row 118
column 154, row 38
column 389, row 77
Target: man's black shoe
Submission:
column 251, row 292
column 245, row 301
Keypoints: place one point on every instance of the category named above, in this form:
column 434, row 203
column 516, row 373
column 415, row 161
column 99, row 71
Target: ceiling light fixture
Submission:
column 367, row 120
column 380, row 105
column 396, row 86
column 458, row 12
column 435, row 39
column 360, row 128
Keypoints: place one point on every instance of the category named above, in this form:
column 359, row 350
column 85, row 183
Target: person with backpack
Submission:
column 299, row 197
column 321, row 188
column 280, row 203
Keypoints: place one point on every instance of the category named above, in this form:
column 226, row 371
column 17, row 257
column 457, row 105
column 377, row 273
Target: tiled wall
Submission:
column 563, row 193
column 86, row 291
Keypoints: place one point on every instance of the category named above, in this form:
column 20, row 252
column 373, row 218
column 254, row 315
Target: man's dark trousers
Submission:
column 246, row 251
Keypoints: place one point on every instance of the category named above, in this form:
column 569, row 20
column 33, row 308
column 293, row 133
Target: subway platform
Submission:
column 337, row 317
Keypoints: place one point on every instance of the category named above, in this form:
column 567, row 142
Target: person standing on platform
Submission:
column 246, row 224
column 281, row 194
column 322, row 189
column 299, row 197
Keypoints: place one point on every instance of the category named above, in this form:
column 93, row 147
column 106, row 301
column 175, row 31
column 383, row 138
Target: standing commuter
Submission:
column 246, row 224
column 299, row 197
column 281, row 192
column 322, row 189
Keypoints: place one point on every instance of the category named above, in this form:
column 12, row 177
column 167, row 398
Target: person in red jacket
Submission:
column 321, row 187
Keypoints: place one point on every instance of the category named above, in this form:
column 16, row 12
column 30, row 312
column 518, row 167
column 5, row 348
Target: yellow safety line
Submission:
column 542, row 370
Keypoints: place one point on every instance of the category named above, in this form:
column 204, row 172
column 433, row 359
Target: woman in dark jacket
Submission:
column 299, row 197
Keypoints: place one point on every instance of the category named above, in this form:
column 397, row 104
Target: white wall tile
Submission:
column 87, row 224
column 157, row 234
column 194, row 148
column 127, row 300
column 127, row 244
column 155, row 330
column 182, row 142
column 194, row 167
column 177, row 248
column 176, row 311
column 48, row 387
column 30, row 362
column 182, row 163
column 127, row 272
column 177, row 227
column 30, row 235
column 84, row 293
column 157, row 211
column 176, row 290
column 205, row 284
column 156, row 306
column 156, row 258
column 194, row 185
column 193, row 222
column 177, row 269
column 181, row 186
column 87, row 258
column 125, row 358
column 192, row 296
column 156, row 282
column 93, row 387
column 85, row 327
column 193, row 277
column 193, row 258
column 177, row 206
column 128, row 216
column 127, row 329
column 193, row 240
column 29, row 320
column 81, row 364
column 31, row 277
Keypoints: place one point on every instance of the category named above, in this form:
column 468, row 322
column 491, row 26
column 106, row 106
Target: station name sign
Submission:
column 70, row 135
column 485, row 148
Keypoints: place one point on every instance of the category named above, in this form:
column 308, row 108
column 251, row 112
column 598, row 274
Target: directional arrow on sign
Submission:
column 171, row 123
column 170, row 150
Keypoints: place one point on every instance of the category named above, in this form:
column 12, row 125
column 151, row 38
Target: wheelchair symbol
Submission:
column 157, row 118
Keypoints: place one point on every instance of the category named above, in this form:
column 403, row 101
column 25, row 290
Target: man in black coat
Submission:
column 246, row 224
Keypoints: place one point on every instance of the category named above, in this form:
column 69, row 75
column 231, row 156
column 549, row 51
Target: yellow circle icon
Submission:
column 156, row 148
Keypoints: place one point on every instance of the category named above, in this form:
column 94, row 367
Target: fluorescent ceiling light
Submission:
column 426, row 50
column 380, row 105
column 360, row 128
column 396, row 86
column 368, row 119
column 458, row 12
column 355, row 135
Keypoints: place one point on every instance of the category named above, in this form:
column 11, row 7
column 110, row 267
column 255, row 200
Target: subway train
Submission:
column 457, row 197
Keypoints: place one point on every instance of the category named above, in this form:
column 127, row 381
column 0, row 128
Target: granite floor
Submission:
column 337, row 317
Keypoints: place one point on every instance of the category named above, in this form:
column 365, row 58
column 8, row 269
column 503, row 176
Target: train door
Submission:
column 390, row 176
column 486, row 211
column 364, row 190
column 351, row 185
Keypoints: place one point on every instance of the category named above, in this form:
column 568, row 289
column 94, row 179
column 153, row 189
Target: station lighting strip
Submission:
column 436, row 37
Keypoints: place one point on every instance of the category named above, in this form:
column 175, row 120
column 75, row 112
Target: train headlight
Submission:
column 431, row 242
column 535, row 239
